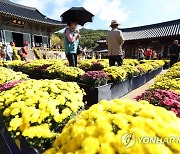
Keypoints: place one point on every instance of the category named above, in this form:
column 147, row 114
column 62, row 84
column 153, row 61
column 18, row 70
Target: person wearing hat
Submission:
column 114, row 41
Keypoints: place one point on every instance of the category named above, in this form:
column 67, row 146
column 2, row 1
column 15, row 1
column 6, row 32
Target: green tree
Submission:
column 56, row 40
column 88, row 37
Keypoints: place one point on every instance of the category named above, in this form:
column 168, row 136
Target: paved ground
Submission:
column 141, row 89
column 30, row 55
column 49, row 54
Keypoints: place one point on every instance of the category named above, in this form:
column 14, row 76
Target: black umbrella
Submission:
column 78, row 14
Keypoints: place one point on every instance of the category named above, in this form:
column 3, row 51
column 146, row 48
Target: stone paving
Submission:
column 49, row 54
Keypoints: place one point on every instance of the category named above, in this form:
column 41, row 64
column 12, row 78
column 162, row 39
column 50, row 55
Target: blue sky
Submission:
column 129, row 13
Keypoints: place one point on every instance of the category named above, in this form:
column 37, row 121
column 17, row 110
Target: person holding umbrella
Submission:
column 74, row 16
column 71, row 43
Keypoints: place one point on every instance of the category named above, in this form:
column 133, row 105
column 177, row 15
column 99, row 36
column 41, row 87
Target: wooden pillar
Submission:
column 162, row 49
column 132, row 51
column 2, row 36
column 49, row 42
column 32, row 40
column 166, row 49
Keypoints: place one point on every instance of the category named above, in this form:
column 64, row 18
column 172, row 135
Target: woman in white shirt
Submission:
column 9, row 51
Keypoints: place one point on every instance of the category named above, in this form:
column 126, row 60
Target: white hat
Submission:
column 114, row 22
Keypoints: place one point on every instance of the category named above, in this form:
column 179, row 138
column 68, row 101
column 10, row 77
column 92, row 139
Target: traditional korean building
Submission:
column 159, row 37
column 20, row 23
column 101, row 50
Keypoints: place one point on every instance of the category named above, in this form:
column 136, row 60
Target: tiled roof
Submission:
column 171, row 28
column 24, row 12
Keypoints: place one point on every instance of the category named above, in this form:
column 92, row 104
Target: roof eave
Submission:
column 39, row 21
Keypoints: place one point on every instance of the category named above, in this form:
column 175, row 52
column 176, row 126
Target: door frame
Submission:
column 41, row 36
column 20, row 33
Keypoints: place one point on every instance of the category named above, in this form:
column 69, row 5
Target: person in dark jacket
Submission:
column 174, row 53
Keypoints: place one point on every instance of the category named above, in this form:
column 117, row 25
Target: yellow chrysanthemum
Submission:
column 102, row 129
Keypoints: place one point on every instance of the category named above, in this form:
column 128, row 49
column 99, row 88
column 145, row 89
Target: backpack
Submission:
column 20, row 52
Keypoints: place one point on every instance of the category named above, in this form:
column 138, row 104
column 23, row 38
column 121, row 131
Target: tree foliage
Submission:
column 56, row 40
column 88, row 37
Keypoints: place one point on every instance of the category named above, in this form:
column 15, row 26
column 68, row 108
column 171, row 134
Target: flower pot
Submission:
column 137, row 82
column 120, row 89
column 166, row 66
column 94, row 95
column 25, row 149
column 115, row 90
column 7, row 144
column 153, row 74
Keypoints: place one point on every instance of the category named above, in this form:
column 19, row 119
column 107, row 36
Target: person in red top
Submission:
column 26, row 43
column 148, row 53
column 23, row 52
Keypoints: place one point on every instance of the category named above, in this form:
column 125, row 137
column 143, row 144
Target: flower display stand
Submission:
column 25, row 149
column 109, row 91
column 152, row 74
column 166, row 66
column 95, row 94
column 116, row 90
column 7, row 144
column 138, row 81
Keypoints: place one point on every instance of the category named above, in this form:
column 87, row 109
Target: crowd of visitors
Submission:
column 149, row 54
column 7, row 51
column 114, row 41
